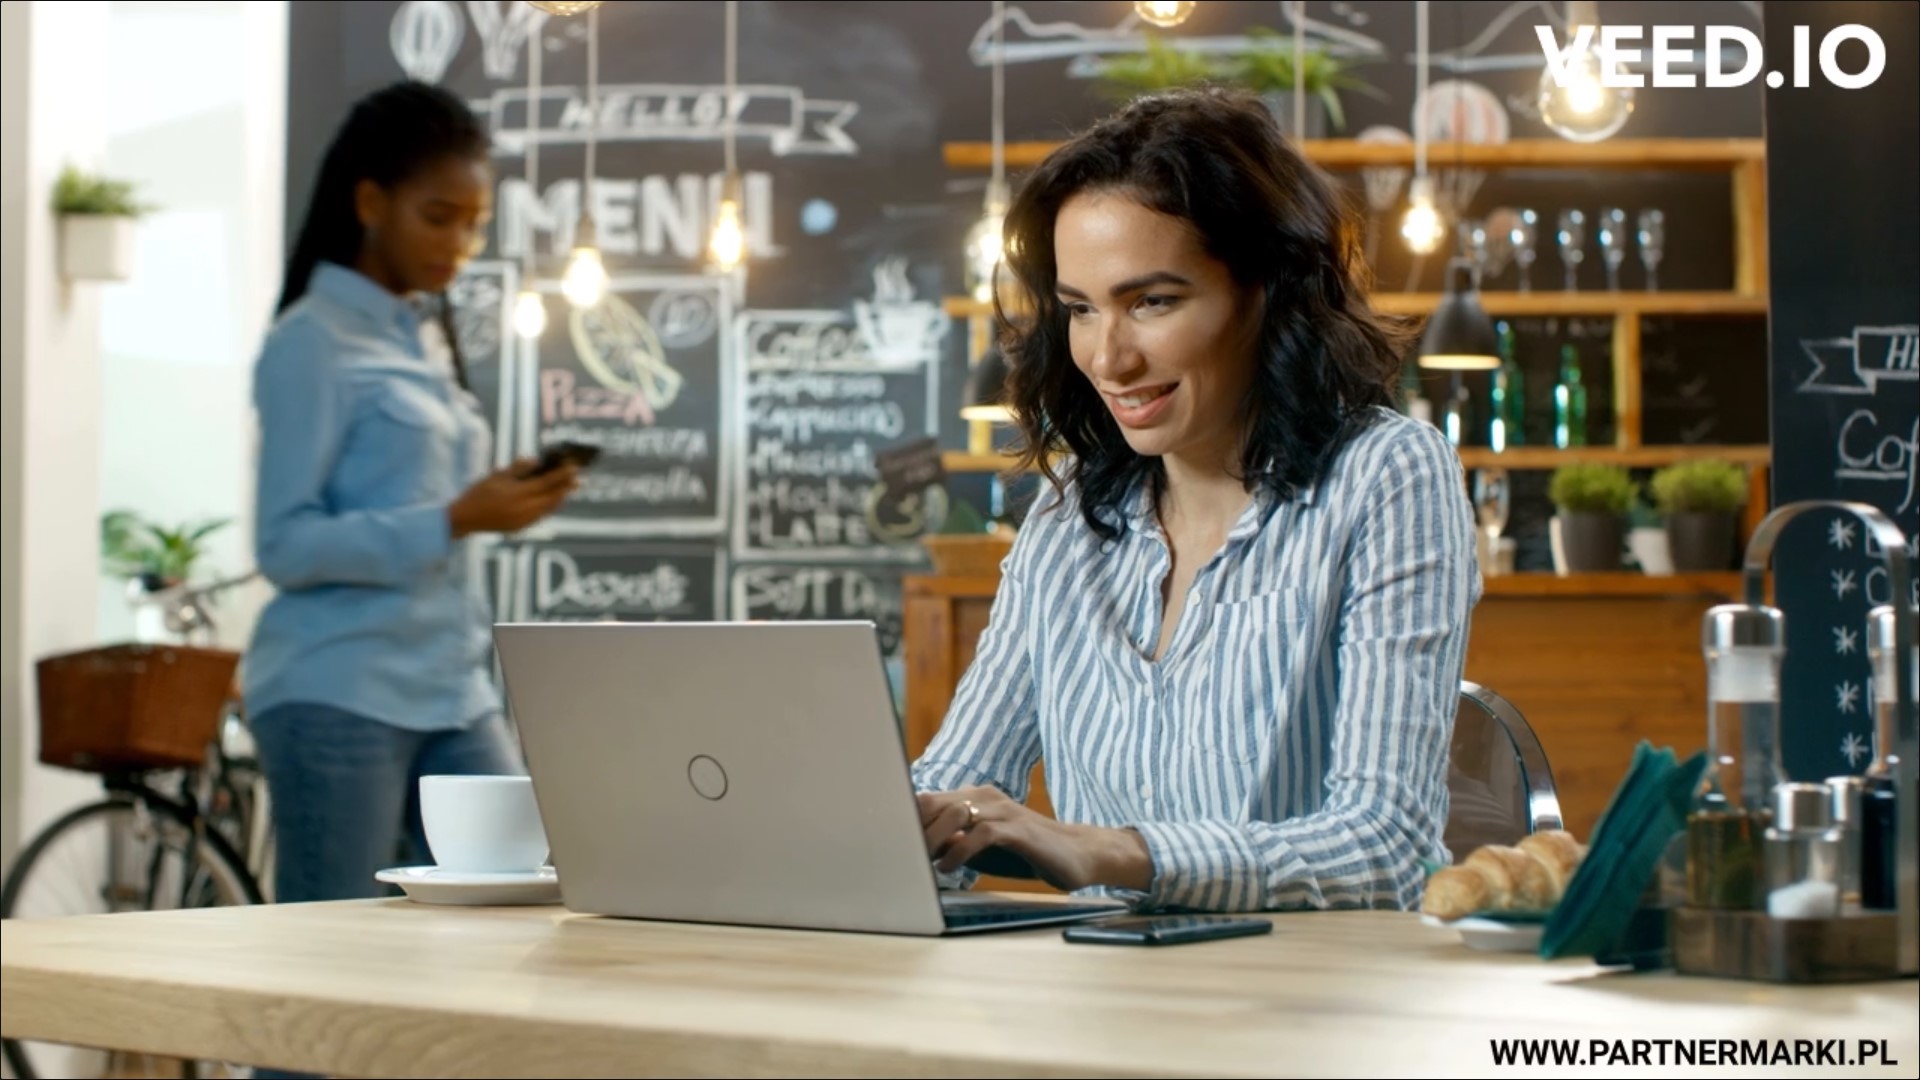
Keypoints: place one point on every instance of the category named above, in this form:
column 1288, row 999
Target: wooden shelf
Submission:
column 1663, row 154
column 1633, row 457
column 1623, row 583
column 1479, row 457
column 1510, row 304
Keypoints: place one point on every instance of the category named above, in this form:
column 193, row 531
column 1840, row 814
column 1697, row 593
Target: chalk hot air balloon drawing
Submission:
column 426, row 36
column 1455, row 110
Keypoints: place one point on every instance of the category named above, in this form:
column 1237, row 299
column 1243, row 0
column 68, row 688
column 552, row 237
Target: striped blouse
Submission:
column 1290, row 749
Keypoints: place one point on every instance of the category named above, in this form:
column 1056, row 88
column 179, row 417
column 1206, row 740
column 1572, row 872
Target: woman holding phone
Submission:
column 372, row 665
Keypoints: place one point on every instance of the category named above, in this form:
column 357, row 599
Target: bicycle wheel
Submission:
column 124, row 853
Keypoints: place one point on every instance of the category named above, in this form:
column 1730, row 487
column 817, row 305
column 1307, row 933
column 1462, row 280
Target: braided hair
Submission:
column 391, row 134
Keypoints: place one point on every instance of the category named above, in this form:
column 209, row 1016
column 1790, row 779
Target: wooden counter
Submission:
column 392, row 988
column 1596, row 662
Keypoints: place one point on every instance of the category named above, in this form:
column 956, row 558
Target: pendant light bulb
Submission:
column 585, row 282
column 986, row 243
column 1579, row 105
column 529, row 314
column 729, row 245
column 727, row 248
column 1422, row 228
column 564, row 7
column 1165, row 13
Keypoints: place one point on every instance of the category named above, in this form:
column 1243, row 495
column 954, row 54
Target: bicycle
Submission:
column 161, row 838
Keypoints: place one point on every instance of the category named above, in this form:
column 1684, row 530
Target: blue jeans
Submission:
column 345, row 796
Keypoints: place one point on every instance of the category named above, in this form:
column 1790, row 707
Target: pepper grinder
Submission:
column 1879, row 855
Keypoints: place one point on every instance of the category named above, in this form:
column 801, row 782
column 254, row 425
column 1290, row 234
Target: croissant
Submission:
column 1529, row 877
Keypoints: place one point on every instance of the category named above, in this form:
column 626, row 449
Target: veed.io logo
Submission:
column 1582, row 60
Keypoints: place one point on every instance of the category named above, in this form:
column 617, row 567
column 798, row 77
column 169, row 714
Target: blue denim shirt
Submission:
column 365, row 439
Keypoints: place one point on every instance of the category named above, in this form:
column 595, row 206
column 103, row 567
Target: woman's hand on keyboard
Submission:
column 1068, row 857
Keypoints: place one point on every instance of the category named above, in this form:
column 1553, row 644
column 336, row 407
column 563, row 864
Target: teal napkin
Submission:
column 1646, row 812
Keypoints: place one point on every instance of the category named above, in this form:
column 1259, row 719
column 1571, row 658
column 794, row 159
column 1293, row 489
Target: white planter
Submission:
column 96, row 247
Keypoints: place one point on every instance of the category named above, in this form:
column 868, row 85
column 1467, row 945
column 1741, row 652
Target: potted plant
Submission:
column 968, row 544
column 1593, row 501
column 1701, row 501
column 97, row 217
column 152, row 559
column 1268, row 70
column 1160, row 67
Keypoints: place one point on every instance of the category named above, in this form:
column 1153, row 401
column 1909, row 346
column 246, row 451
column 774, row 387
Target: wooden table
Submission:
column 391, row 988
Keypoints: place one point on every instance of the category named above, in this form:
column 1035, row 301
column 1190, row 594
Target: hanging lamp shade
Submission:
column 986, row 396
column 1459, row 336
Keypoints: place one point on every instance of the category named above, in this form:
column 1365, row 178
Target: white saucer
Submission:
column 1492, row 935
column 432, row 885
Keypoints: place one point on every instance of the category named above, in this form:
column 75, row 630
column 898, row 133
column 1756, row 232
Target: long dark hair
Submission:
column 1215, row 159
column 391, row 134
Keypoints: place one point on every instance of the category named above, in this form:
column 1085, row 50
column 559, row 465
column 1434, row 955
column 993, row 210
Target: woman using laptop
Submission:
column 1236, row 626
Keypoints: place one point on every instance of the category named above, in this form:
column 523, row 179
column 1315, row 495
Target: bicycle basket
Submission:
column 132, row 706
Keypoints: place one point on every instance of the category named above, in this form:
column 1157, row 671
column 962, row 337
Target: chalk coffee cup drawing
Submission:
column 483, row 824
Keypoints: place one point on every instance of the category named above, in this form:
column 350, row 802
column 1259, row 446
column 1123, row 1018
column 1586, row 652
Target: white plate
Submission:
column 432, row 885
column 1491, row 935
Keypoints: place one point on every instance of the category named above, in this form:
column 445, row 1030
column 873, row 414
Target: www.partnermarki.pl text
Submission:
column 1669, row 1052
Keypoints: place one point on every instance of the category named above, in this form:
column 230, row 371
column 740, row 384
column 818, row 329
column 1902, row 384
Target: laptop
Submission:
column 741, row 773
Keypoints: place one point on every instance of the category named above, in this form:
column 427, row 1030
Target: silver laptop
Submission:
column 743, row 773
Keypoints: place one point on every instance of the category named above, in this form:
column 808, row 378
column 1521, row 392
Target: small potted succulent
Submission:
column 1160, row 67
column 151, row 559
column 1593, row 500
column 1701, row 502
column 1268, row 70
column 97, row 217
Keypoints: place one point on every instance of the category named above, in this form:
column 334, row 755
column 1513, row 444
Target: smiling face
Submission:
column 1158, row 326
column 424, row 229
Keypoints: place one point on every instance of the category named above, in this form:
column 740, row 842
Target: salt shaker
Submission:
column 1803, row 854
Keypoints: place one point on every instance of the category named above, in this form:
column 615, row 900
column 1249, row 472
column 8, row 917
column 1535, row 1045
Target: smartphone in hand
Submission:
column 561, row 453
column 1164, row 929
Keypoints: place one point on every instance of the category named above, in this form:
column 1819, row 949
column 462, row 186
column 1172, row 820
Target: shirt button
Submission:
column 1146, row 792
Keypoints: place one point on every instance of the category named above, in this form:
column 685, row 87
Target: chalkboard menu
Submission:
column 744, row 419
column 1844, row 258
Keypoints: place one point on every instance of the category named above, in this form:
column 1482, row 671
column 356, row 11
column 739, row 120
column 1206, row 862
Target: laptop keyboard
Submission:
column 992, row 912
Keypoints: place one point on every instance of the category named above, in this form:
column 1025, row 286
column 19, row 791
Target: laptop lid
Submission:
column 741, row 773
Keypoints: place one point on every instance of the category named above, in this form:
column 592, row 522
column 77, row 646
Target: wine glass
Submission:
column 1472, row 237
column 1571, row 233
column 1492, row 503
column 1612, row 234
column 1652, row 237
column 1526, row 235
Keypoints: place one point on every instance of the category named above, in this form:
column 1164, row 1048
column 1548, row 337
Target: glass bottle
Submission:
column 1569, row 401
column 1879, row 828
column 1414, row 403
column 1744, row 646
column 1508, row 406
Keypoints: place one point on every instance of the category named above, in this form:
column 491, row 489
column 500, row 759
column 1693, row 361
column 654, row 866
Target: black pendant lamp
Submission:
column 1459, row 336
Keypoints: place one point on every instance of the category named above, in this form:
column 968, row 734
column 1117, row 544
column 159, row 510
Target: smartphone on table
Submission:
column 1164, row 929
column 560, row 453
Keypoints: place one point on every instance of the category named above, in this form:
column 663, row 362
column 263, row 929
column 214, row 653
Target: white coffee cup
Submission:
column 483, row 824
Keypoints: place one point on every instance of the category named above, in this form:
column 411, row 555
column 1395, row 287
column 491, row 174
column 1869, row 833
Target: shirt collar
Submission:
column 1138, row 510
column 355, row 291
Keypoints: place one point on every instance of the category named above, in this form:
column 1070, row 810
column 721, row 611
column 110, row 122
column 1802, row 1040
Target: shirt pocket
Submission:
column 1258, row 662
column 405, row 446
